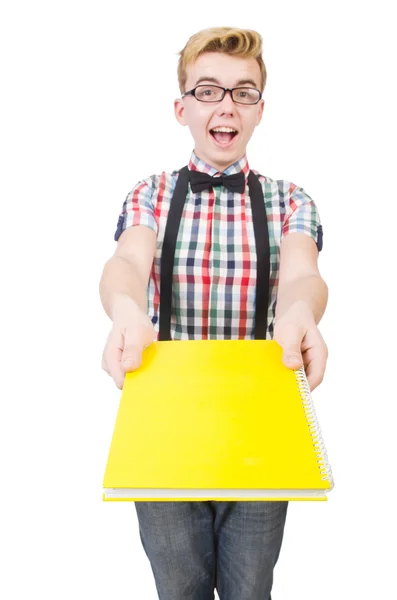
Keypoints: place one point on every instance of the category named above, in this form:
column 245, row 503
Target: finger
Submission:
column 105, row 366
column 113, row 352
column 313, row 379
column 315, row 367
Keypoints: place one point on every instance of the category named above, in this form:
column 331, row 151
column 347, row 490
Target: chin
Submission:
column 219, row 156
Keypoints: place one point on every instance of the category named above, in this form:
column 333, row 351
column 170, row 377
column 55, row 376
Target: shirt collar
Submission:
column 196, row 164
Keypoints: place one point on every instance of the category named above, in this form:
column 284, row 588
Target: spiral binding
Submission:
column 314, row 427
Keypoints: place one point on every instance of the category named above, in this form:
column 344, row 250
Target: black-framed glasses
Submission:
column 215, row 93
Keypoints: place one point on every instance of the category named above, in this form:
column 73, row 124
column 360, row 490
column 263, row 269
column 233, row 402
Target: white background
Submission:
column 75, row 137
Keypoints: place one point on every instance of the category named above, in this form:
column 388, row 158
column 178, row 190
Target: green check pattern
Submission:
column 214, row 277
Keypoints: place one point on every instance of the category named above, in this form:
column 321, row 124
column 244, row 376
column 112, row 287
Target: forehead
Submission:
column 228, row 70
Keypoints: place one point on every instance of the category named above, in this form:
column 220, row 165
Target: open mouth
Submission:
column 223, row 138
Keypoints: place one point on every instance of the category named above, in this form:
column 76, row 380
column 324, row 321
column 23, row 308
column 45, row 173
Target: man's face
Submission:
column 202, row 117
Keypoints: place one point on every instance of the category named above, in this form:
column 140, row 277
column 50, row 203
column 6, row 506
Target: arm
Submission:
column 301, row 302
column 126, row 274
column 123, row 292
column 301, row 287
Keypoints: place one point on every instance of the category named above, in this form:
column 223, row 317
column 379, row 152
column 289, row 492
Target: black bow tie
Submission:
column 200, row 181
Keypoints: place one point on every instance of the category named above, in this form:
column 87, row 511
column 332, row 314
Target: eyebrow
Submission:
column 214, row 80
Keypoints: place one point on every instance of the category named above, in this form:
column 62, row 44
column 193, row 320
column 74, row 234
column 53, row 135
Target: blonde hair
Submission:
column 244, row 43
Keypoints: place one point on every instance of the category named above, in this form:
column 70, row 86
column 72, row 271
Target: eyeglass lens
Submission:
column 212, row 93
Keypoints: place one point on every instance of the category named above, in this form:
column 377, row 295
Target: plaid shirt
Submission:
column 214, row 277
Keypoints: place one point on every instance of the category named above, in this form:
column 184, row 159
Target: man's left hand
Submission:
column 303, row 345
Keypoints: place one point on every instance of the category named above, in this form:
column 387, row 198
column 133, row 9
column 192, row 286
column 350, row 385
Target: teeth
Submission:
column 225, row 129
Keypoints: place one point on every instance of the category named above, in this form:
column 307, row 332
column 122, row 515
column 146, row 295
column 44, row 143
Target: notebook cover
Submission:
column 212, row 414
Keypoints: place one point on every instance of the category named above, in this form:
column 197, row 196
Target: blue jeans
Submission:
column 195, row 547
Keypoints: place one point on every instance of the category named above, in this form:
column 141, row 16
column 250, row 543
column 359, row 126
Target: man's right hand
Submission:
column 131, row 333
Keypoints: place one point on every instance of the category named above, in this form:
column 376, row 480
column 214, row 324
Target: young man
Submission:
column 232, row 256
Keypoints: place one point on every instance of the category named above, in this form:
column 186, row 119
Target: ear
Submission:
column 179, row 109
column 260, row 111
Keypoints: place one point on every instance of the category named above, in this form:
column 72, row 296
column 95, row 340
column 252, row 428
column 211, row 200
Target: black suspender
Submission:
column 262, row 251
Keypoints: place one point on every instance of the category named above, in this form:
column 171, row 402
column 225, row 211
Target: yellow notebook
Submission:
column 216, row 420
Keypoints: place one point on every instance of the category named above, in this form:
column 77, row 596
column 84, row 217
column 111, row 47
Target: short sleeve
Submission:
column 302, row 216
column 138, row 208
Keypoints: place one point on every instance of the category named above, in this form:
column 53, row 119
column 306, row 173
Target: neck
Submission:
column 217, row 165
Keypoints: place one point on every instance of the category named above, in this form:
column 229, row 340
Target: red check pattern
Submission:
column 214, row 276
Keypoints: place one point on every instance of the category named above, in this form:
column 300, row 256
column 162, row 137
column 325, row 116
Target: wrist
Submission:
column 299, row 312
column 124, row 307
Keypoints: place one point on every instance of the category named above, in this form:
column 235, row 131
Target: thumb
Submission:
column 132, row 357
column 292, row 356
column 291, row 345
column 290, row 337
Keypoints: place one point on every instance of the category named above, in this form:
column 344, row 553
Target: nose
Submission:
column 227, row 104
